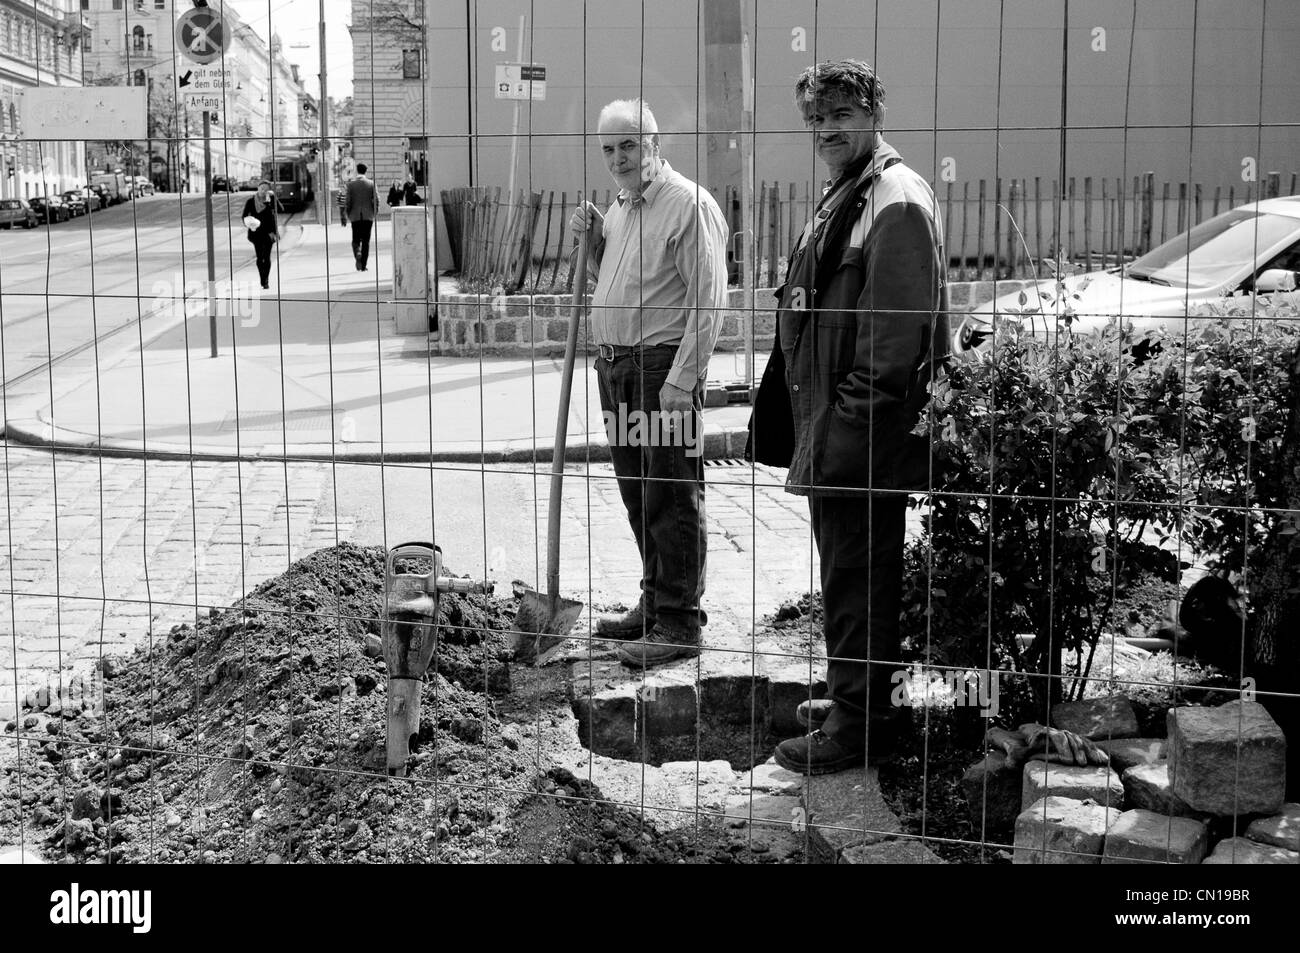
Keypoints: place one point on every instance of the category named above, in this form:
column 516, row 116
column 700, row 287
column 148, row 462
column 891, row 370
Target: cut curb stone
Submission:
column 1280, row 830
column 997, row 805
column 1147, row 837
column 1230, row 759
column 892, row 851
column 845, row 810
column 1062, row 830
column 1095, row 783
column 1147, row 786
column 1239, row 850
column 1096, row 718
column 1127, row 753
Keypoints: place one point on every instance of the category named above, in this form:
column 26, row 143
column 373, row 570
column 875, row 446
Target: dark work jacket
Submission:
column 267, row 218
column 862, row 328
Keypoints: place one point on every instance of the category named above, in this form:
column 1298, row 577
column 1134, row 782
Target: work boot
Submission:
column 630, row 625
column 820, row 753
column 812, row 714
column 661, row 644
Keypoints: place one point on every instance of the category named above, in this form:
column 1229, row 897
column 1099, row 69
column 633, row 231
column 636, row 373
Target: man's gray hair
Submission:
column 850, row 79
column 635, row 111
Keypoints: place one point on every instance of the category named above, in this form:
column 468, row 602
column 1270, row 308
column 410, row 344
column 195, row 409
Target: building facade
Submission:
column 134, row 45
column 41, row 44
column 977, row 90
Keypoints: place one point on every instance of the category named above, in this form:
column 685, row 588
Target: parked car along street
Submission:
column 221, row 184
column 1253, row 248
column 141, row 185
column 49, row 208
column 17, row 212
column 76, row 205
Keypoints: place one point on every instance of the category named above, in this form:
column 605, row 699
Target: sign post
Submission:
column 201, row 38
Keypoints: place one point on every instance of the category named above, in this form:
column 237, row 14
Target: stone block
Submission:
column 1280, row 830
column 845, row 810
column 1140, row 836
column 770, row 777
column 1061, row 830
column 993, row 789
column 557, row 330
column 958, row 295
column 505, row 332
column 731, row 326
column 518, row 306
column 1097, row 783
column 1228, row 760
column 892, row 851
column 1126, row 753
column 1147, row 786
column 1240, row 850
column 1109, row 717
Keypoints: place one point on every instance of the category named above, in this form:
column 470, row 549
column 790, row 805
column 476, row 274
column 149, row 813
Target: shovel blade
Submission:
column 541, row 625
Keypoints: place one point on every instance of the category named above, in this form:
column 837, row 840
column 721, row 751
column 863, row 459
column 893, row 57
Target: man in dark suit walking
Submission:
column 361, row 208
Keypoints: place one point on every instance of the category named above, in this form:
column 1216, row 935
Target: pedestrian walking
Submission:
column 396, row 194
column 263, row 227
column 661, row 263
column 861, row 330
column 362, row 207
column 410, row 194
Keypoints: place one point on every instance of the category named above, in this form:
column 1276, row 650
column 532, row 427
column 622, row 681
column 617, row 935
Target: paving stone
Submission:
column 1239, row 850
column 773, row 778
column 1097, row 783
column 1109, row 717
column 1141, row 836
column 769, row 824
column 1147, row 786
column 993, row 790
column 892, row 851
column 845, row 810
column 1061, row 830
column 1125, row 753
column 1228, row 760
column 1280, row 830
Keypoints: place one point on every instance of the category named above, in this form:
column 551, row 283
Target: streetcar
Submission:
column 290, row 176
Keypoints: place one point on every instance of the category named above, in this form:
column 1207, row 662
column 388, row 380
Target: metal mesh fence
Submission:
column 926, row 484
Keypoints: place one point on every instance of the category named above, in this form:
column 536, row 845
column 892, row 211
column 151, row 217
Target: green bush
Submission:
column 1072, row 468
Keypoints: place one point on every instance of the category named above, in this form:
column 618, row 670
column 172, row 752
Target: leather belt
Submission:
column 616, row 352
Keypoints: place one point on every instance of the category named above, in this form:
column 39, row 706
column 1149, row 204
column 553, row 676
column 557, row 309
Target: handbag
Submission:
column 252, row 222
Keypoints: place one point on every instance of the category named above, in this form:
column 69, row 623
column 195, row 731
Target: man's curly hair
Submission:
column 849, row 79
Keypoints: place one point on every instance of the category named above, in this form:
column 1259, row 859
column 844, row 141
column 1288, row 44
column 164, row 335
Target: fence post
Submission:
column 1164, row 211
column 1011, row 229
column 965, row 216
column 997, row 224
column 1274, row 185
column 1148, row 199
column 1196, row 203
column 1073, row 247
column 979, row 236
column 1087, row 222
column 1218, row 191
column 947, row 227
column 1182, row 207
column 1038, row 225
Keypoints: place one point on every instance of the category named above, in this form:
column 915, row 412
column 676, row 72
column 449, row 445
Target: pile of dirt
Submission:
column 258, row 735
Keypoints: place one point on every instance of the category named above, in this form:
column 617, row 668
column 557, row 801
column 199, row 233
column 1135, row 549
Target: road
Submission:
column 131, row 257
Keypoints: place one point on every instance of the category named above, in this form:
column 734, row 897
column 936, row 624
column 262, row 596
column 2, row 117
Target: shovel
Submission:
column 543, row 621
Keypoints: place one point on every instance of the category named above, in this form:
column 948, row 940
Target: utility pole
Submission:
column 322, row 180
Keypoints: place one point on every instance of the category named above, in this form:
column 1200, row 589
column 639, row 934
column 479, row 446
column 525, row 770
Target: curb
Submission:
column 727, row 444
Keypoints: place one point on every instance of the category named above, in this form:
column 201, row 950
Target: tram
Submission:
column 290, row 176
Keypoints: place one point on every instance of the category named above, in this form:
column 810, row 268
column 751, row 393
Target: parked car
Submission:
column 102, row 191
column 17, row 212
column 75, row 203
column 1253, row 248
column 221, row 184
column 141, row 185
column 49, row 208
column 93, row 202
column 248, row 185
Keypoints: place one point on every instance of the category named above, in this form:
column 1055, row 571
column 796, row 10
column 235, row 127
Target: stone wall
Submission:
column 520, row 325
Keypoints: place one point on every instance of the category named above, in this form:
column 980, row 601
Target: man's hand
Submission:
column 587, row 216
column 675, row 400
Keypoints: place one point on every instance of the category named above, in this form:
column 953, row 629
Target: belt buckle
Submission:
column 606, row 351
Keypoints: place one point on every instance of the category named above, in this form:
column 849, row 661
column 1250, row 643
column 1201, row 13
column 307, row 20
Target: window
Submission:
column 160, row 4
column 139, row 78
column 137, row 39
column 411, row 64
column 117, row 4
column 85, row 4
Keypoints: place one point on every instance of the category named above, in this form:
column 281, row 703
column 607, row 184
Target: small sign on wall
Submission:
column 521, row 81
column 84, row 112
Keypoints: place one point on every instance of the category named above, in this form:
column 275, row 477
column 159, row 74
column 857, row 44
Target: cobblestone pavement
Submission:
column 96, row 554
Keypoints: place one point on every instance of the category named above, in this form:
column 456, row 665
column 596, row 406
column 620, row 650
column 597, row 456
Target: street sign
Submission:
column 84, row 112
column 205, row 102
column 200, row 35
column 205, row 79
column 521, row 81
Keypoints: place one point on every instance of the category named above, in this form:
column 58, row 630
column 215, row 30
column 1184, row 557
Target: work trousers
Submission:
column 662, row 486
column 263, row 246
column 860, row 545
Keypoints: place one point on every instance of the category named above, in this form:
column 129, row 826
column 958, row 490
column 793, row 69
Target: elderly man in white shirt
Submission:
column 661, row 264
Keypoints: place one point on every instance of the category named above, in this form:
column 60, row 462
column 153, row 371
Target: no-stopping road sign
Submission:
column 200, row 35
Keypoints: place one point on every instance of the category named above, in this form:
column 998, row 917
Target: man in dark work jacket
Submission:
column 861, row 330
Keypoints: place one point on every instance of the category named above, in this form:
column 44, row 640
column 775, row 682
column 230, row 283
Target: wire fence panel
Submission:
column 702, row 431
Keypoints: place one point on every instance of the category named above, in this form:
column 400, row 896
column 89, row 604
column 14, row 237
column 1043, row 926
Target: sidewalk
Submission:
column 315, row 370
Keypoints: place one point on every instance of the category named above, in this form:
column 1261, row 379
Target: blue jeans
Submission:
column 662, row 486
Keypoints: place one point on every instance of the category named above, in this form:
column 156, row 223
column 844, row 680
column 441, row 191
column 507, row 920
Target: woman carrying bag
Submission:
column 263, row 229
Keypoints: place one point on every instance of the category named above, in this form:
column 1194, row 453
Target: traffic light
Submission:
column 9, row 173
